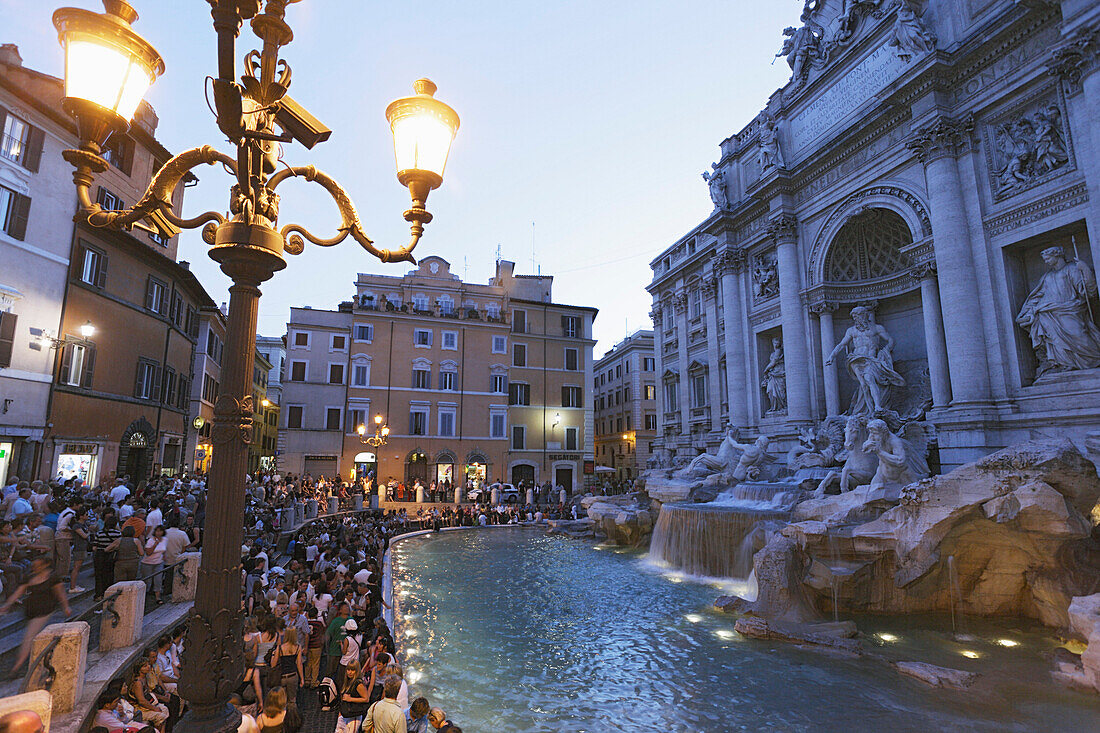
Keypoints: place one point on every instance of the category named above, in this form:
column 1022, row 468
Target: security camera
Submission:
column 303, row 127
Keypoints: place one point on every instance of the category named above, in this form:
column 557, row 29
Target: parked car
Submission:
column 509, row 494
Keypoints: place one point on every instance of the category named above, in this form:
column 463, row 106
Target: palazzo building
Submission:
column 98, row 327
column 473, row 380
column 905, row 226
column 625, row 397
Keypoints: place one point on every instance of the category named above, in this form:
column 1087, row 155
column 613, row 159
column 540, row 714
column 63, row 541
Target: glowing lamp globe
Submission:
column 423, row 129
column 87, row 330
column 108, row 68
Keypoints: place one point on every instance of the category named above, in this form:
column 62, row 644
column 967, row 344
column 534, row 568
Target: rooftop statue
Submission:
column 1056, row 315
column 911, row 35
column 770, row 155
column 870, row 362
column 716, row 181
column 804, row 47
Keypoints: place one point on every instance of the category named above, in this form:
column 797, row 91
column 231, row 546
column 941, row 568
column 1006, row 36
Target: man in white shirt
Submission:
column 154, row 519
column 362, row 577
column 119, row 492
column 125, row 511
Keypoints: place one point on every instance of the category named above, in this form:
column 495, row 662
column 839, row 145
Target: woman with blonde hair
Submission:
column 353, row 701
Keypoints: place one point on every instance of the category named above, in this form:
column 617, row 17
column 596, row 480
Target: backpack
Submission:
column 326, row 693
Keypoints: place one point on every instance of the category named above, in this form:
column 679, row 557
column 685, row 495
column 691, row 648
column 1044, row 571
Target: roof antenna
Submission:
column 498, row 253
column 533, row 246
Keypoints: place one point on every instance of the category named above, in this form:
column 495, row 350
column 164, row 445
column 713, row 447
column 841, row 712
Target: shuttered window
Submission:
column 14, row 211
column 7, row 337
column 21, row 142
column 147, row 380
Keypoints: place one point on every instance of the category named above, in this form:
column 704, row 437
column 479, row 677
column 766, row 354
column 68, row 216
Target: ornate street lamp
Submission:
column 381, row 433
column 108, row 68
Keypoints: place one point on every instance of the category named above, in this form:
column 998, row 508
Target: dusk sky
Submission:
column 593, row 120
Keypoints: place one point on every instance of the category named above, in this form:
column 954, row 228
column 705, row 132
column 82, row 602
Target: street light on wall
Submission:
column 108, row 69
column 49, row 341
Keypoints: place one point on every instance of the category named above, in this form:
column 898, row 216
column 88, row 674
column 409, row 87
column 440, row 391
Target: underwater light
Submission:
column 1008, row 642
column 970, row 654
column 725, row 634
column 693, row 617
column 886, row 637
column 410, row 633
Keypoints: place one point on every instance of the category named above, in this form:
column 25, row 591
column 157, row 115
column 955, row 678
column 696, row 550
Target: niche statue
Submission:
column 870, row 362
column 1056, row 315
column 775, row 378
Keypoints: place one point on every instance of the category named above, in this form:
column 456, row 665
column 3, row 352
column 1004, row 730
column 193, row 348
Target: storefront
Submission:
column 78, row 460
column 365, row 463
column 477, row 468
column 445, row 467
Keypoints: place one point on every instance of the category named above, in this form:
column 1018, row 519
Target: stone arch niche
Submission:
column 864, row 255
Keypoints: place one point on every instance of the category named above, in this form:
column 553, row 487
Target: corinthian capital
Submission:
column 710, row 287
column 942, row 137
column 656, row 316
column 783, row 227
column 1076, row 57
column 921, row 270
column 681, row 301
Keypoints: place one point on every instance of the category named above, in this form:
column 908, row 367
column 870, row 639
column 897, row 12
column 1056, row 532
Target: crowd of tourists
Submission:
column 315, row 623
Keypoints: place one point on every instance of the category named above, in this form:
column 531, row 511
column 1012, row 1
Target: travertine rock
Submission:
column 1005, row 535
column 625, row 519
column 937, row 676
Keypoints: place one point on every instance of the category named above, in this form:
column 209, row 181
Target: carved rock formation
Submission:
column 625, row 519
column 1004, row 535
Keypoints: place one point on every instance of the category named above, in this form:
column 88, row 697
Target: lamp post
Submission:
column 108, row 69
column 381, row 433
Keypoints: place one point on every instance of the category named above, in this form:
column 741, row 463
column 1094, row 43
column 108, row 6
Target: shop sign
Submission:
column 589, row 467
column 85, row 449
column 564, row 456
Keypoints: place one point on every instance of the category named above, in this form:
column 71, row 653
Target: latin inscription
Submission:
column 845, row 95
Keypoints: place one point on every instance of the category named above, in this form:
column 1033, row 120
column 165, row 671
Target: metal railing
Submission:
column 45, row 659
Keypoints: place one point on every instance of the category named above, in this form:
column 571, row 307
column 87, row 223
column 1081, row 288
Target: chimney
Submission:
column 9, row 54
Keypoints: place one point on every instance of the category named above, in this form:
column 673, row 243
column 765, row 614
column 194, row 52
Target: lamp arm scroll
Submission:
column 350, row 224
column 157, row 197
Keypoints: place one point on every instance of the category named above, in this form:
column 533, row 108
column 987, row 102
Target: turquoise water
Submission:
column 514, row 630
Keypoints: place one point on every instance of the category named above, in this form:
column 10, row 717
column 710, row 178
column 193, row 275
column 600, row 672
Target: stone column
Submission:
column 658, row 318
column 419, row 496
column 333, row 505
column 357, row 502
column 714, row 377
column 783, row 229
column 938, row 373
column 824, row 313
column 1077, row 61
column 730, row 265
column 311, row 509
column 937, row 145
column 130, row 607
column 69, row 659
column 183, row 582
column 683, row 331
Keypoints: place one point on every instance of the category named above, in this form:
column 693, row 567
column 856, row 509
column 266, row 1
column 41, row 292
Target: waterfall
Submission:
column 708, row 540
